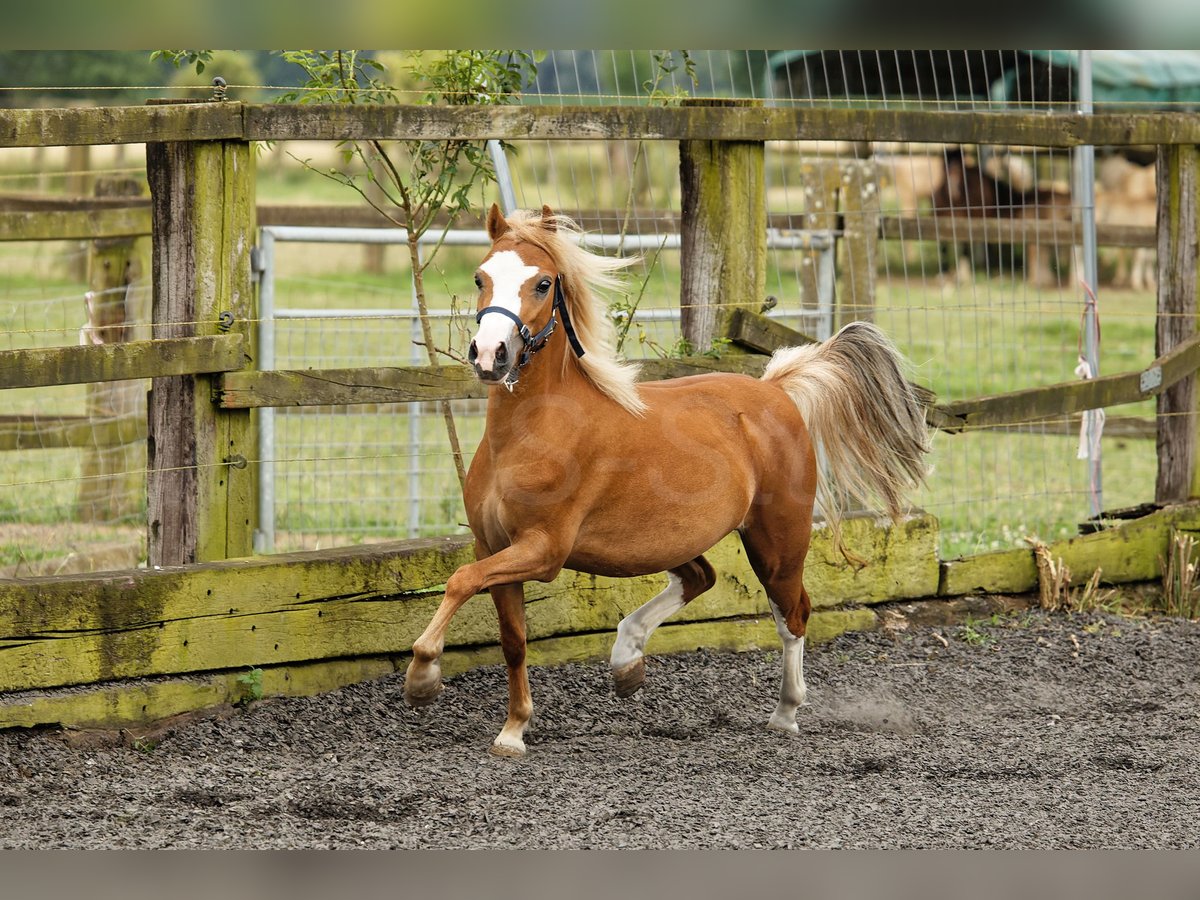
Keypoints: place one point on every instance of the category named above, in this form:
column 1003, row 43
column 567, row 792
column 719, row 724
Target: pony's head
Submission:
column 535, row 286
column 516, row 283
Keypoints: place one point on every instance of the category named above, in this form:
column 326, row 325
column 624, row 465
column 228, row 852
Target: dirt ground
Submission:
column 1027, row 730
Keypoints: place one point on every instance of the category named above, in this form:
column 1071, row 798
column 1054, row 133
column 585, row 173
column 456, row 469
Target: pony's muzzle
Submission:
column 492, row 362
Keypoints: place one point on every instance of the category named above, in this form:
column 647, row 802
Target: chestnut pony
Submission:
column 582, row 468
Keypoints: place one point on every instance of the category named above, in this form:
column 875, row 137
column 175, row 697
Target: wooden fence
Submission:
column 313, row 620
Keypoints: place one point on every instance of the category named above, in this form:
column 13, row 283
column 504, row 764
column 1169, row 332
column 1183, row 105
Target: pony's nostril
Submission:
column 472, row 352
column 502, row 354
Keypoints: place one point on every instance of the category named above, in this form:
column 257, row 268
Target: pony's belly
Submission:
column 646, row 545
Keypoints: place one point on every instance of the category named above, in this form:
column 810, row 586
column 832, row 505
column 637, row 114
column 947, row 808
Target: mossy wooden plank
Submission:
column 138, row 598
column 79, row 630
column 74, row 225
column 65, row 127
column 233, row 120
column 762, row 335
column 325, row 122
column 45, row 432
column 120, row 704
column 1003, row 572
column 118, row 362
column 1131, row 552
column 323, row 387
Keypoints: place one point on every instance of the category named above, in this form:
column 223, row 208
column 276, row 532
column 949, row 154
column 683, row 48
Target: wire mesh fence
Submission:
column 968, row 270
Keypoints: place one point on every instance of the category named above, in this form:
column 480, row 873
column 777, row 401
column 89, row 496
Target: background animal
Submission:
column 976, row 192
column 1127, row 194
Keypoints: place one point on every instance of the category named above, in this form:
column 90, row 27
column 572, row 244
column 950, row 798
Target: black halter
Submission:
column 535, row 342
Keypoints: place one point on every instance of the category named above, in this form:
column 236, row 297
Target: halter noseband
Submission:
column 535, row 342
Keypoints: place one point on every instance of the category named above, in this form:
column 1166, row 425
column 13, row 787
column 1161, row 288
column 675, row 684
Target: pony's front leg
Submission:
column 510, row 608
column 530, row 560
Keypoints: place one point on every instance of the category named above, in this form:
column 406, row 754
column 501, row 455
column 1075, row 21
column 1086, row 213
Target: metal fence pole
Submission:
column 1085, row 172
column 264, row 536
column 508, row 199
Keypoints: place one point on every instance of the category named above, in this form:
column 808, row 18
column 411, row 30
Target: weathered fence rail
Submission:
column 325, row 618
column 236, row 121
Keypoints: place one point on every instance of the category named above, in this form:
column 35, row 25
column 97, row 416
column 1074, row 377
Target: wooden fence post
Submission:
column 1178, row 196
column 202, row 459
column 724, row 232
column 860, row 218
column 821, row 179
column 112, row 485
column 78, row 183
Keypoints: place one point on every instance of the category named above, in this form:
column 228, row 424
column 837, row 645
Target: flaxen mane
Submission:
column 582, row 272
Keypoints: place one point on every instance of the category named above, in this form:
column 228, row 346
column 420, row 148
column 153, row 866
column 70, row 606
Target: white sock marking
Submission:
column 635, row 629
column 792, row 690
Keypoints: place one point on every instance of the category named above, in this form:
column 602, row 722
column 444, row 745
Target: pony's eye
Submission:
column 479, row 282
column 544, row 285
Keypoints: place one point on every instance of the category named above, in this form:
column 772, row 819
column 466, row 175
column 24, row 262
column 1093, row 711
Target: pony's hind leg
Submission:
column 793, row 691
column 782, row 576
column 684, row 584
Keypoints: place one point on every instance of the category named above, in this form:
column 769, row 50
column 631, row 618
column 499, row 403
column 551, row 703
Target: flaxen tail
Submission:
column 865, row 418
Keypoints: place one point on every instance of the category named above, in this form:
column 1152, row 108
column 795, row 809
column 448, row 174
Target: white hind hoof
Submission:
column 779, row 723
column 507, row 747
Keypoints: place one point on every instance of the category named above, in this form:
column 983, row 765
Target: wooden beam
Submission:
column 723, row 241
column 1074, row 396
column 64, row 127
column 376, row 599
column 247, row 122
column 55, row 432
column 412, row 384
column 61, row 225
column 201, row 486
column 759, row 334
column 986, row 229
column 115, row 362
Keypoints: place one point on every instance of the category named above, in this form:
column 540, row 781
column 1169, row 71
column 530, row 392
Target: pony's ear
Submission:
column 548, row 218
column 496, row 223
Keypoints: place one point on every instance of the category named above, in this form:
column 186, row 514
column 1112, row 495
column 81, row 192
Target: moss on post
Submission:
column 724, row 224
column 202, row 472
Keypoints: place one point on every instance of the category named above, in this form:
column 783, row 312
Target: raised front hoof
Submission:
column 629, row 679
column 787, row 726
column 422, row 685
column 507, row 749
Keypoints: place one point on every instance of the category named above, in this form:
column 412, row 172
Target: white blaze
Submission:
column 508, row 272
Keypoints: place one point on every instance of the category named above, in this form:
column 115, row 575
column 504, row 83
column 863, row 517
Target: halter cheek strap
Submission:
column 535, row 342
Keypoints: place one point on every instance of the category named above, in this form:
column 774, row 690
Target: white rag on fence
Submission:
column 1092, row 425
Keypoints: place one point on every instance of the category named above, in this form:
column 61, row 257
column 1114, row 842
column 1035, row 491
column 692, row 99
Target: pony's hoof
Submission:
column 417, row 699
column 507, row 749
column 778, row 723
column 422, row 684
column 630, row 677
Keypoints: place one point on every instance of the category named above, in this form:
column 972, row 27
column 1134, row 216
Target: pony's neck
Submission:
column 552, row 372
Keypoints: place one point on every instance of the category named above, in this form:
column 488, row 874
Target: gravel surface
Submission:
column 1029, row 730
